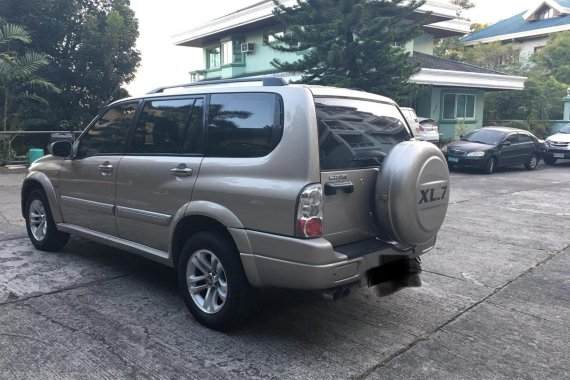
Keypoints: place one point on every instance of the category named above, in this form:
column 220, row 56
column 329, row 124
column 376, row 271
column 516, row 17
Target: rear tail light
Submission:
column 421, row 128
column 309, row 221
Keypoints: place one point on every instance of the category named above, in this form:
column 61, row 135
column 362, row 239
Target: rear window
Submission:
column 355, row 133
column 244, row 124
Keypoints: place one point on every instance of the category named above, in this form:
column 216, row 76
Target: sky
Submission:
column 163, row 63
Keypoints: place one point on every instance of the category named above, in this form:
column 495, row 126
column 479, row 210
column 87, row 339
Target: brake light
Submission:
column 421, row 128
column 309, row 221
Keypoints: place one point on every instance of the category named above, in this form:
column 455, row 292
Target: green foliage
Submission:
column 92, row 46
column 463, row 5
column 555, row 57
column 541, row 99
column 350, row 43
column 20, row 86
column 520, row 124
column 494, row 56
column 449, row 48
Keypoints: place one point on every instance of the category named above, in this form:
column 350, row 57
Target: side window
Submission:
column 524, row 138
column 513, row 139
column 162, row 127
column 244, row 124
column 109, row 133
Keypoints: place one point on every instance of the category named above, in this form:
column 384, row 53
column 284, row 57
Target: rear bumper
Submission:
column 286, row 262
column 432, row 137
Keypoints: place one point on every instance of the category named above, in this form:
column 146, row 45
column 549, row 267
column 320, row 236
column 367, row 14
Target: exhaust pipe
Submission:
column 336, row 294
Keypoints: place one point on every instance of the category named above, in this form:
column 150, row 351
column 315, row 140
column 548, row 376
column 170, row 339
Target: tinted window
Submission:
column 523, row 138
column 244, row 125
column 513, row 139
column 565, row 129
column 485, row 136
column 109, row 133
column 357, row 133
column 169, row 127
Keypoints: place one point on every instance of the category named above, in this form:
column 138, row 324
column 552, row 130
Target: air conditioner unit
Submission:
column 247, row 47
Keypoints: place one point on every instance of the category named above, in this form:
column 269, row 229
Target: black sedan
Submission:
column 492, row 147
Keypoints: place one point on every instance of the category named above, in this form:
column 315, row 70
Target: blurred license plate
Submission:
column 452, row 159
column 558, row 155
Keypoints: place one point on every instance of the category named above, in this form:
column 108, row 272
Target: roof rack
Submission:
column 266, row 81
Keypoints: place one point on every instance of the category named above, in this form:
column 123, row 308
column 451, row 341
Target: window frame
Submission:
column 456, row 96
column 207, row 104
column 93, row 122
column 209, row 60
column 143, row 103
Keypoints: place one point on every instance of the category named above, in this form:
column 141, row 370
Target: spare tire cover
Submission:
column 412, row 193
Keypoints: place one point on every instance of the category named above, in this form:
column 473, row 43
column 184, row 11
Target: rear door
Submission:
column 87, row 182
column 526, row 148
column 354, row 137
column 159, row 170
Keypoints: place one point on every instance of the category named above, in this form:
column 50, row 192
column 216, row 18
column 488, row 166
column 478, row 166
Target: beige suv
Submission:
column 248, row 183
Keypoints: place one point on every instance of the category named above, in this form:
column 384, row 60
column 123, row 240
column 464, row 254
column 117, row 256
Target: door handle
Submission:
column 181, row 171
column 105, row 168
column 332, row 187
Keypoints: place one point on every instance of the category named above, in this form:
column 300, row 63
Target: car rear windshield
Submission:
column 485, row 136
column 357, row 133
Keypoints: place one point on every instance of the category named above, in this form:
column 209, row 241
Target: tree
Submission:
column 92, row 46
column 463, row 5
column 18, row 76
column 452, row 47
column 350, row 43
column 554, row 58
column 496, row 56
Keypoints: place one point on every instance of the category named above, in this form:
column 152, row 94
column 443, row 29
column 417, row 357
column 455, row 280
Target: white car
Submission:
column 557, row 146
column 424, row 129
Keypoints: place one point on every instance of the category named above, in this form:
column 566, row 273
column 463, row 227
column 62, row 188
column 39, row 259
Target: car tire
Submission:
column 490, row 166
column 40, row 225
column 532, row 162
column 213, row 282
column 549, row 160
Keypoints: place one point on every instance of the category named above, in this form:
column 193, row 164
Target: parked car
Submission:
column 429, row 130
column 253, row 183
column 491, row 147
column 557, row 146
column 424, row 129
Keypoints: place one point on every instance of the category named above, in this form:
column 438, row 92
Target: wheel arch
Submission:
column 40, row 181
column 202, row 216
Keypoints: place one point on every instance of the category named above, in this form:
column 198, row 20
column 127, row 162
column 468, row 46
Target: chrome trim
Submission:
column 143, row 215
column 103, row 208
column 116, row 242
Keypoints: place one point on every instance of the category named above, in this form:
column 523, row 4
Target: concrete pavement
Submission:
column 495, row 303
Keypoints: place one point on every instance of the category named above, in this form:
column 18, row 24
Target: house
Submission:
column 528, row 31
column 239, row 44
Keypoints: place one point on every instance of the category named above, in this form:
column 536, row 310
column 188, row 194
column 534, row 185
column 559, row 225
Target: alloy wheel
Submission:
column 38, row 220
column 207, row 282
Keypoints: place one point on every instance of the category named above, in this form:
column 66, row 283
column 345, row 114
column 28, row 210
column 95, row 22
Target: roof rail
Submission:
column 266, row 81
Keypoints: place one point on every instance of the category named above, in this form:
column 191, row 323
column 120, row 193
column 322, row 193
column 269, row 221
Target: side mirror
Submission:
column 61, row 149
column 505, row 143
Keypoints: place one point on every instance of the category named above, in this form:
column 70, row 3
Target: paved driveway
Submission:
column 495, row 303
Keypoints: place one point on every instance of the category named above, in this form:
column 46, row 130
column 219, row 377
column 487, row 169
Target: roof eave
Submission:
column 551, row 3
column 520, row 35
column 450, row 78
column 264, row 12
